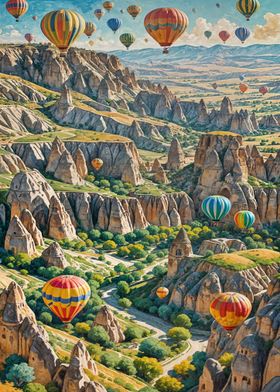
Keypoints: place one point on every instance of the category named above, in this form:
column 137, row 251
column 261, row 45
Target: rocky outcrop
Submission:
column 18, row 91
column 11, row 164
column 17, row 120
column 121, row 159
column 220, row 245
column 80, row 163
column 20, row 334
column 213, row 378
column 160, row 176
column 54, row 257
column 176, row 157
column 106, row 319
column 18, row 240
column 59, row 222
column 30, row 224
column 181, row 248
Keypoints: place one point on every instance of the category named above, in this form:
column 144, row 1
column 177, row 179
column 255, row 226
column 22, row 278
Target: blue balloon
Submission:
column 114, row 24
column 242, row 33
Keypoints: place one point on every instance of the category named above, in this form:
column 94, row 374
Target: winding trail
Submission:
column 198, row 342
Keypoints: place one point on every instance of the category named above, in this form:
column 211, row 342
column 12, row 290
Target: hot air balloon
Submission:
column 242, row 77
column 242, row 33
column 230, row 310
column 134, row 10
column 97, row 163
column 89, row 29
column 166, row 25
column 122, row 11
column 17, row 8
column 162, row 292
column 34, row 17
column 99, row 13
column 29, row 37
column 66, row 296
column 215, row 85
column 243, row 87
column 108, row 5
column 208, row 34
column 263, row 90
column 244, row 219
column 216, row 207
column 91, row 42
column 127, row 39
column 114, row 24
column 218, row 5
column 224, row 35
column 63, row 28
column 247, row 7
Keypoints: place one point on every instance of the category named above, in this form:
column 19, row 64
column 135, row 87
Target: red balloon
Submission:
column 263, row 90
column 224, row 35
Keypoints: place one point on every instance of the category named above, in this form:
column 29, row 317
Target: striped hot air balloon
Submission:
column 242, row 33
column 63, row 28
column 99, row 13
column 17, row 8
column 162, row 292
column 247, row 7
column 66, row 296
column 134, row 10
column 127, row 39
column 166, row 25
column 114, row 24
column 89, row 29
column 29, row 37
column 108, row 5
column 230, row 309
column 216, row 207
column 244, row 219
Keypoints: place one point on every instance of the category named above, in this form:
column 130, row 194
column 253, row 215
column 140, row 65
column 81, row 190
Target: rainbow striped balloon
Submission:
column 216, row 207
column 17, row 8
column 247, row 7
column 63, row 28
column 230, row 309
column 244, row 219
column 166, row 25
column 66, row 296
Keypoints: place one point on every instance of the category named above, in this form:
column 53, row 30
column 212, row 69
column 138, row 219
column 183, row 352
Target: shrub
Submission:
column 125, row 303
column 179, row 333
column 147, row 368
column 95, row 351
column 126, row 366
column 152, row 347
column 20, row 374
column 46, row 318
column 34, row 387
column 110, row 360
column 123, row 289
column 109, row 245
column 97, row 334
column 182, row 320
column 106, row 236
column 133, row 333
column 82, row 328
column 168, row 384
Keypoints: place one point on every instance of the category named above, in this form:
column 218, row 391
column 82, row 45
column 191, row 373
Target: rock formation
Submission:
column 106, row 319
column 11, row 164
column 160, row 176
column 181, row 248
column 220, row 245
column 54, row 256
column 80, row 163
column 29, row 223
column 18, row 240
column 176, row 157
column 59, row 222
column 213, row 378
column 21, row 335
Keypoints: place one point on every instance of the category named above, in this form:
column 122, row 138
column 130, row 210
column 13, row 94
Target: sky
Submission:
column 264, row 25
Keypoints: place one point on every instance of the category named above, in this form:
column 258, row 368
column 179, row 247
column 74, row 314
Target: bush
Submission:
column 82, row 328
column 95, row 351
column 20, row 374
column 126, row 366
column 182, row 320
column 109, row 245
column 148, row 368
column 94, row 234
column 110, row 360
column 46, row 318
column 120, row 239
column 133, row 333
column 226, row 359
column 106, row 236
column 179, row 334
column 123, row 289
column 168, row 384
column 34, row 387
column 97, row 334
column 125, row 303
column 152, row 347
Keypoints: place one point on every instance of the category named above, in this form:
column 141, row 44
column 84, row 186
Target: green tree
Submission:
column 182, row 320
column 46, row 318
column 123, row 288
column 184, row 368
column 148, row 368
column 226, row 359
column 97, row 334
column 109, row 245
column 82, row 328
column 179, row 334
column 126, row 366
column 106, row 236
column 125, row 303
column 120, row 239
column 34, row 387
column 20, row 374
column 133, row 333
column 123, row 251
column 121, row 268
column 95, row 351
column 94, row 234
column 110, row 360
column 168, row 384
column 159, row 271
column 152, row 347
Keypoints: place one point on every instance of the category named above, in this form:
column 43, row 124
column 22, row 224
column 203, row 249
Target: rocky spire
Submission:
column 106, row 319
column 54, row 256
column 66, row 170
column 18, row 240
column 180, row 249
column 81, row 164
column 30, row 224
column 59, row 222
column 176, row 157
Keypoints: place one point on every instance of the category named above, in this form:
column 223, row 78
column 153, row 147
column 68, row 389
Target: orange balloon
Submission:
column 97, row 163
column 243, row 87
column 162, row 292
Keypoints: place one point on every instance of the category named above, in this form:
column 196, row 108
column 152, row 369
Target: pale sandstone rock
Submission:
column 176, row 157
column 81, row 164
column 54, row 256
column 106, row 319
column 59, row 222
column 18, row 240
column 180, row 249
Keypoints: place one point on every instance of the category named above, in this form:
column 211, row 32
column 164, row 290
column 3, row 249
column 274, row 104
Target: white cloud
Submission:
column 15, row 34
column 270, row 31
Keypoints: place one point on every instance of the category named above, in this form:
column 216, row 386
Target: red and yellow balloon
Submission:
column 230, row 309
column 63, row 28
column 166, row 25
column 162, row 292
column 97, row 164
column 134, row 10
column 89, row 29
column 243, row 87
column 17, row 8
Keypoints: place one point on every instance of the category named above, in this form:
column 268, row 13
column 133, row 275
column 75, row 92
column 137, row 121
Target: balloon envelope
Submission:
column 247, row 7
column 127, row 39
column 97, row 163
column 89, row 29
column 244, row 219
column 66, row 296
column 242, row 77
column 34, row 17
column 263, row 90
column 216, row 207
column 99, row 13
column 114, row 24
column 215, row 86
column 242, row 33
column 166, row 25
column 162, row 292
column 208, row 34
column 17, row 8
column 108, row 5
column 243, row 87
column 230, row 310
column 29, row 37
column 134, row 10
column 224, row 35
column 63, row 28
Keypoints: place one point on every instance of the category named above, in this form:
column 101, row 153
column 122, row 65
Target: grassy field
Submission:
column 246, row 259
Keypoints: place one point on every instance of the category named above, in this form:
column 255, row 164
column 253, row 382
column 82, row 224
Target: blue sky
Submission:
column 207, row 16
